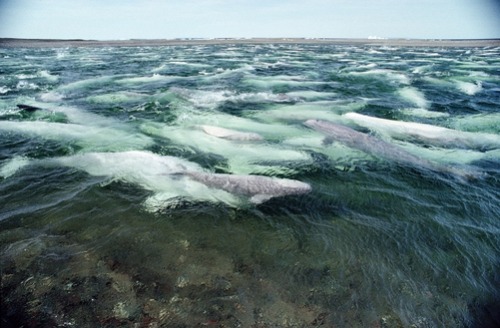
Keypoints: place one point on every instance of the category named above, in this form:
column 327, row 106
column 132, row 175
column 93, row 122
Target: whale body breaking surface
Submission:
column 173, row 177
column 382, row 149
column 258, row 188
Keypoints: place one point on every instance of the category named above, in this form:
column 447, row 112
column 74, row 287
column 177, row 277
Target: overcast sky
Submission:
column 164, row 19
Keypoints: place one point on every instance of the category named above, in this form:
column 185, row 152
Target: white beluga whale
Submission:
column 249, row 158
column 71, row 114
column 426, row 133
column 478, row 122
column 379, row 148
column 91, row 138
column 170, row 179
column 269, row 131
column 327, row 110
column 231, row 134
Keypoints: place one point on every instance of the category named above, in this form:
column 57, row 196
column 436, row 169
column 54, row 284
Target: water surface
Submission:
column 92, row 241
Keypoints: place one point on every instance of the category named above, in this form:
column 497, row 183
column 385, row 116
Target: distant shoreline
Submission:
column 52, row 43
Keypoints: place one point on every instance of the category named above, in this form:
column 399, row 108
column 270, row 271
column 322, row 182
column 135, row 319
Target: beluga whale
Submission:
column 169, row 178
column 428, row 134
column 257, row 187
column 231, row 134
column 379, row 148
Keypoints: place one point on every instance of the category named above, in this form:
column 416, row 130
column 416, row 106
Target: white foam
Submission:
column 25, row 76
column 5, row 110
column 51, row 96
column 24, row 85
column 469, row 88
column 4, row 90
column 13, row 166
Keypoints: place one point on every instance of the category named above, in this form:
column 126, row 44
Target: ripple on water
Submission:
column 373, row 244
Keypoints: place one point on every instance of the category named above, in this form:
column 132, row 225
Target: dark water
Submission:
column 98, row 229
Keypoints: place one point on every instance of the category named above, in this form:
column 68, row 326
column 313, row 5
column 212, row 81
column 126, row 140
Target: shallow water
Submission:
column 93, row 231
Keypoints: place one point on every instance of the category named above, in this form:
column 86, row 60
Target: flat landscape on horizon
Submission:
column 17, row 42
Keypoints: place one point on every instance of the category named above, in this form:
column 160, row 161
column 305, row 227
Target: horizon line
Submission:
column 77, row 42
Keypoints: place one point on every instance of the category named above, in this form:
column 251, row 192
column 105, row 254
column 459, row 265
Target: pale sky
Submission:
column 166, row 19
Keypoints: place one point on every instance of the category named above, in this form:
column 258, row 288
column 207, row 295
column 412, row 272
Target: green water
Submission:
column 89, row 242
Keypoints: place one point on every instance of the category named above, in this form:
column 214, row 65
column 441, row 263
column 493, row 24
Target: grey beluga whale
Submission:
column 380, row 148
column 169, row 178
column 257, row 187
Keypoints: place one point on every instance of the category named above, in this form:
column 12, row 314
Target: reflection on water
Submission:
column 374, row 244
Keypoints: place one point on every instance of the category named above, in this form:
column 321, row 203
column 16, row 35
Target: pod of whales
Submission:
column 426, row 133
column 379, row 148
column 366, row 143
column 248, row 158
